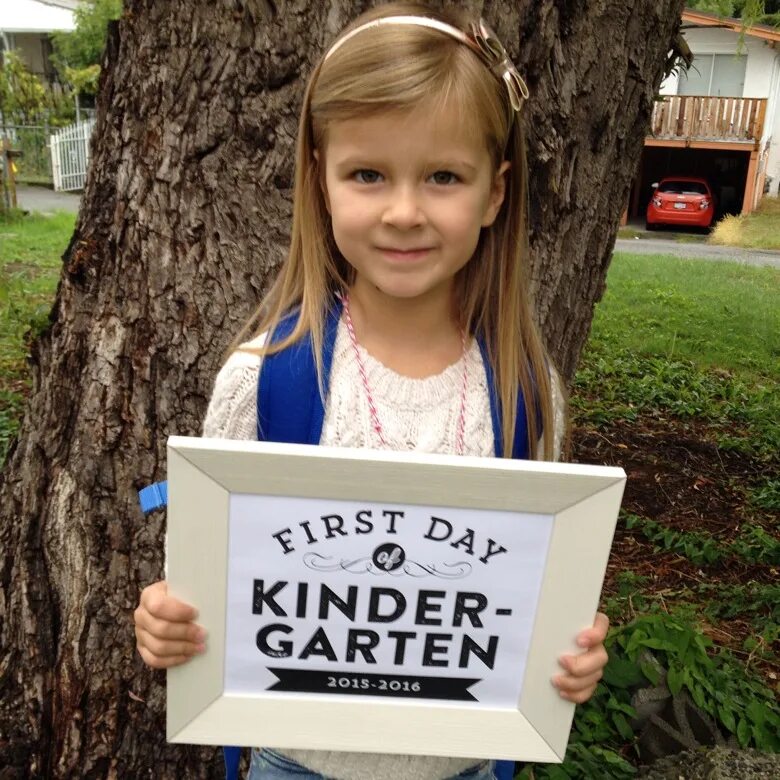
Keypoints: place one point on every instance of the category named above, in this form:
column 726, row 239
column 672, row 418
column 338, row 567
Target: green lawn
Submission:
column 35, row 239
column 30, row 251
column 692, row 338
column 722, row 315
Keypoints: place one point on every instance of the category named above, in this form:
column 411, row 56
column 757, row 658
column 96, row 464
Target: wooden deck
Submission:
column 692, row 118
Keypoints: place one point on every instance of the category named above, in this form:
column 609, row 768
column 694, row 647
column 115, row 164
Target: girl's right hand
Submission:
column 164, row 630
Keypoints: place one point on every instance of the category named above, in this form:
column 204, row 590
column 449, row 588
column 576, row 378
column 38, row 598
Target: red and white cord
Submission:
column 460, row 433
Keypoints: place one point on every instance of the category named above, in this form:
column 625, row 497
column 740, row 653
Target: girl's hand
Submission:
column 583, row 671
column 164, row 631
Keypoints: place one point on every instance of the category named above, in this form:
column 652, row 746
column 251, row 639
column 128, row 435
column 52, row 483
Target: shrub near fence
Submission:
column 35, row 163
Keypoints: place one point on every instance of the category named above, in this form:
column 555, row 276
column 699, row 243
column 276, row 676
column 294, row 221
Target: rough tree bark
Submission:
column 184, row 219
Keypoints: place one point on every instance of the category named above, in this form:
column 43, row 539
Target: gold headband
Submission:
column 480, row 39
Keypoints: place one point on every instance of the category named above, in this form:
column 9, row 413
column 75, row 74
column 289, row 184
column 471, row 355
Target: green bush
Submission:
column 602, row 743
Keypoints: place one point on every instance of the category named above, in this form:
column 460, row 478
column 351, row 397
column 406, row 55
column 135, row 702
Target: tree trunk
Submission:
column 183, row 222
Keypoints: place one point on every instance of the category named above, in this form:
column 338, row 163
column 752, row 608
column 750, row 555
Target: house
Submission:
column 25, row 25
column 719, row 119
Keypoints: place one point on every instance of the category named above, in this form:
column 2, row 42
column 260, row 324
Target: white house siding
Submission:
column 762, row 79
column 34, row 16
column 25, row 25
column 30, row 48
column 669, row 84
column 772, row 130
column 760, row 57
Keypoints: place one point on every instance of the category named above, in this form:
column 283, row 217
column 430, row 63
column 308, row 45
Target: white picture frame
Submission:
column 582, row 501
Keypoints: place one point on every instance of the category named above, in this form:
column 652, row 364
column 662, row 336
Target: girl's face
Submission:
column 408, row 195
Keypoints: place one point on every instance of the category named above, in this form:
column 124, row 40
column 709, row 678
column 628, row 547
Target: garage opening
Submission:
column 726, row 171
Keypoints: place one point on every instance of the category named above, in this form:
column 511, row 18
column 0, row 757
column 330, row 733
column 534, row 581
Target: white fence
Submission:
column 70, row 155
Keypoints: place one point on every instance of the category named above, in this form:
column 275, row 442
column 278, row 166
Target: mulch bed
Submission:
column 680, row 478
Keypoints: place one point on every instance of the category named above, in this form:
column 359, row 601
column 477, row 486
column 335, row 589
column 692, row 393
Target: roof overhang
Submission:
column 736, row 25
column 31, row 16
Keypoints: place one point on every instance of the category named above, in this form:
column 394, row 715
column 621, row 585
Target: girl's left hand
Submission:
column 583, row 671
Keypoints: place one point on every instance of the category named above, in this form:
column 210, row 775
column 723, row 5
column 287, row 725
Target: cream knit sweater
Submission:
column 415, row 414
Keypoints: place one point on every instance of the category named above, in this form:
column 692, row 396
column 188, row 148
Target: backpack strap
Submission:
column 232, row 756
column 289, row 405
column 504, row 770
column 153, row 497
column 520, row 442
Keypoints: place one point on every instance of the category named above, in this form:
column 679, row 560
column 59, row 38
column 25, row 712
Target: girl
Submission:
column 409, row 233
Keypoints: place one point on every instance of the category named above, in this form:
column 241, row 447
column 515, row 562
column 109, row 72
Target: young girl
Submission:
column 409, row 232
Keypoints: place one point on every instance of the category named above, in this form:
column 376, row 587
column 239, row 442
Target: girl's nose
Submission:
column 403, row 209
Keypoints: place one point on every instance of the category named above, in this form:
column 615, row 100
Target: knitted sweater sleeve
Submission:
column 232, row 411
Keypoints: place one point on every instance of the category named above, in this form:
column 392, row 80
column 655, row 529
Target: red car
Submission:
column 681, row 200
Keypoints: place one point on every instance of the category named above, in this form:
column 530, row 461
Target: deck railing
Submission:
column 702, row 118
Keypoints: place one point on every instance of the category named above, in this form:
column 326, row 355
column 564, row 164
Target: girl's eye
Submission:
column 444, row 177
column 366, row 176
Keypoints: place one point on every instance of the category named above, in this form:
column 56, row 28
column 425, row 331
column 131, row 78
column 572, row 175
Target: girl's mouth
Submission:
column 405, row 254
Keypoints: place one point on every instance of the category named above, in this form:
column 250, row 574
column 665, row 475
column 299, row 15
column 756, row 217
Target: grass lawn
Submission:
column 679, row 385
column 30, row 251
column 717, row 314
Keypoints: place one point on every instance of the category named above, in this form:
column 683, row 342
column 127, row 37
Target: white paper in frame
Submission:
column 382, row 602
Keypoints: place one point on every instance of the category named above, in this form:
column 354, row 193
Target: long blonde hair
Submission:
column 398, row 68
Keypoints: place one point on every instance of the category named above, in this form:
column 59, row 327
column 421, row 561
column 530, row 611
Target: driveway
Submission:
column 665, row 246
column 45, row 200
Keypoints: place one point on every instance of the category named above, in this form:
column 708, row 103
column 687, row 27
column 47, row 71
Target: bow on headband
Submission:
column 493, row 52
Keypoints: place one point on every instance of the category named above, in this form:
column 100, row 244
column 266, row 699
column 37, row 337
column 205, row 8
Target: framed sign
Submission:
column 382, row 602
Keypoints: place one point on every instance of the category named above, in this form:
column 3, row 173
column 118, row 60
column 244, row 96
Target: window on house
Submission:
column 721, row 75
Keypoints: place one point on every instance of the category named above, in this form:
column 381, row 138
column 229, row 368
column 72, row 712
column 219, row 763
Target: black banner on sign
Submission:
column 367, row 684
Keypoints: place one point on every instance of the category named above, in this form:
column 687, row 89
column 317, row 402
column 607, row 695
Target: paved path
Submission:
column 45, row 200
column 665, row 246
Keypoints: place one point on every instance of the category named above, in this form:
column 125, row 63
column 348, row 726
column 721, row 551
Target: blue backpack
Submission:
column 290, row 409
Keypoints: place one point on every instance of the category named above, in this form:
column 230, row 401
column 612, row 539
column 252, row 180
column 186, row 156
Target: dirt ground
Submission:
column 680, row 478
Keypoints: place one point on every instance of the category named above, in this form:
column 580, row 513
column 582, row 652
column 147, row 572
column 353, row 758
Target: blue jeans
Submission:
column 270, row 765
